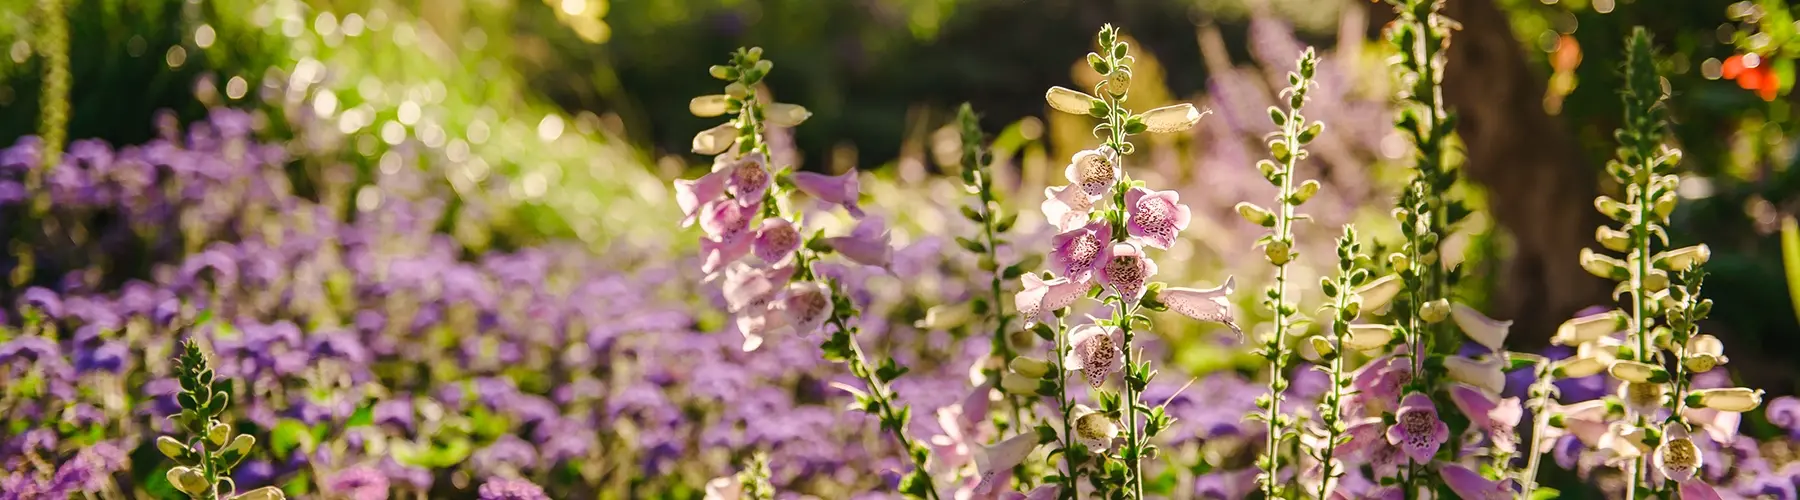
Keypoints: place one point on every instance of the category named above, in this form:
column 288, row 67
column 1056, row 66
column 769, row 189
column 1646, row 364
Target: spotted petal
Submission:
column 1204, row 304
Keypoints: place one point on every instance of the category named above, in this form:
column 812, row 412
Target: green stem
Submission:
column 1540, row 416
column 1001, row 345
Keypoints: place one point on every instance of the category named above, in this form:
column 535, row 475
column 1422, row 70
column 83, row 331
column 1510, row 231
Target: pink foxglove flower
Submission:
column 1698, row 490
column 1499, row 419
column 726, row 221
column 841, row 190
column 995, row 463
column 1587, row 421
column 1155, row 217
column 749, row 177
column 1378, row 384
column 1093, row 429
column 692, row 195
column 747, row 286
column 1365, row 437
column 1721, row 426
column 1488, row 332
column 1095, row 170
column 866, row 245
column 960, row 432
column 1067, row 207
column 1417, row 429
column 1204, row 304
column 777, row 239
column 805, row 306
column 1076, row 253
column 1677, row 457
column 1487, row 373
column 1127, row 270
column 1470, row 485
column 1095, row 351
column 1038, row 299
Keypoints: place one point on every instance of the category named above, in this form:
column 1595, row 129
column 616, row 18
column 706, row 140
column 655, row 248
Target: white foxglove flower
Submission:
column 1093, row 429
column 708, row 106
column 1377, row 295
column 1587, row 328
column 1590, row 358
column 715, row 140
column 1018, row 384
column 1704, row 352
column 782, row 114
column 1369, row 337
column 1642, row 398
column 1636, row 372
column 1174, row 118
column 1487, row 374
column 1684, row 258
column 1069, row 101
column 1483, row 330
column 1677, row 457
column 1735, row 399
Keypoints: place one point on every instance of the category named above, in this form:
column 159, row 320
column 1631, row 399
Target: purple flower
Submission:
column 960, row 432
column 1095, row 351
column 692, row 195
column 839, row 190
column 1471, row 486
column 997, row 460
column 1155, row 217
column 1204, row 304
column 1038, row 300
column 43, row 301
column 506, row 453
column 501, row 488
column 1095, row 170
column 358, row 483
column 395, row 412
column 1417, row 429
column 1499, row 419
column 867, row 244
column 1784, row 412
column 749, row 177
column 1077, row 252
column 1066, row 207
column 1126, row 270
column 777, row 239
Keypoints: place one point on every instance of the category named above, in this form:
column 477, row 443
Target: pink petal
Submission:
column 716, row 254
column 1473, row 403
column 975, row 405
column 840, row 190
column 1471, row 486
column 690, row 195
column 1698, row 490
column 1066, row 207
column 1208, row 304
column 992, row 461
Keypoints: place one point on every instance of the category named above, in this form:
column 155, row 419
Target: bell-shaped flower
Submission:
column 1588, row 328
column 1735, row 399
column 708, row 106
column 1066, row 207
column 1588, row 421
column 1379, row 294
column 1094, row 350
column 806, row 305
column 717, row 253
column 749, row 178
column 960, row 432
column 1677, row 457
column 1039, row 299
column 1076, row 253
column 758, row 322
column 1698, row 490
column 1682, row 259
column 1204, row 304
column 1487, row 373
column 1368, row 337
column 1173, row 118
column 727, row 221
column 1704, row 352
column 1488, row 332
column 867, row 244
column 1470, row 485
column 777, row 240
column 1093, row 429
column 724, row 488
column 1499, row 419
column 841, row 190
column 693, row 194
column 1721, row 426
column 1637, row 372
column 747, row 286
column 782, row 114
column 1095, row 170
column 1069, row 101
column 1365, row 435
column 1155, row 217
column 1126, row 270
column 1642, row 398
column 994, row 464
column 1591, row 358
column 715, row 140
column 1378, row 383
column 1622, row 443
column 1417, row 429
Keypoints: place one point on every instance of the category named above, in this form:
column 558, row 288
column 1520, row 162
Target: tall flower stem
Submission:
column 1344, row 308
column 1066, row 406
column 986, row 212
column 1543, row 390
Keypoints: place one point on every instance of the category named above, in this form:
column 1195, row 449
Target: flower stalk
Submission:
column 987, row 212
column 1278, row 246
column 1344, row 309
column 211, row 448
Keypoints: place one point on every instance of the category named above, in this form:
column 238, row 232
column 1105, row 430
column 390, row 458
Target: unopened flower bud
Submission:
column 715, row 140
column 1399, row 260
column 1735, row 399
column 737, row 90
column 1118, row 82
column 1664, row 206
column 708, row 106
column 1174, row 118
column 1435, row 311
column 1682, row 259
column 722, row 72
column 1377, row 295
column 1613, row 239
column 1704, row 352
column 187, row 480
column 782, row 114
column 171, row 448
column 1657, row 280
column 1637, row 372
column 1278, row 252
column 1587, row 328
column 1305, row 192
column 263, row 493
column 1256, row 214
column 1014, row 383
column 1069, row 101
column 1368, row 337
column 1029, row 367
column 1321, row 347
column 1603, row 266
column 240, row 445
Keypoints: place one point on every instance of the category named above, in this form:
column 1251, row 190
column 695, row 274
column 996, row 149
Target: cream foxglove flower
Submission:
column 1590, row 358
column 1587, row 328
column 782, row 114
column 1637, row 372
column 1094, row 350
column 1682, row 259
column 1736, row 399
column 1677, row 457
column 1377, row 295
column 1093, row 429
column 1069, row 101
column 1704, row 352
column 1487, row 374
column 1029, row 366
column 1174, row 118
column 715, row 140
column 993, row 463
column 1483, row 330
column 1369, row 337
column 1642, row 398
column 708, row 106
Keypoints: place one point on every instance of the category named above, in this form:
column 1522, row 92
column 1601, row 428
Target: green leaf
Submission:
column 363, row 416
column 970, row 213
column 890, row 370
column 289, row 434
column 837, row 347
column 971, row 245
column 1790, row 257
column 1543, row 493
column 1135, row 125
column 1099, row 64
column 1006, row 222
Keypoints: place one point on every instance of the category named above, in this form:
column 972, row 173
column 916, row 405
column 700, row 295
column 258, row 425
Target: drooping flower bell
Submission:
column 1155, row 217
column 1038, row 299
column 1095, row 170
column 693, row 194
column 1093, row 429
column 1204, row 304
column 1126, row 270
column 841, row 190
column 1488, row 332
column 867, row 244
column 806, row 306
column 748, row 177
column 1470, row 485
column 1417, row 429
column 1076, row 253
column 1498, row 419
column 777, row 240
column 1677, row 457
column 1095, row 351
column 1066, row 207
column 994, row 463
